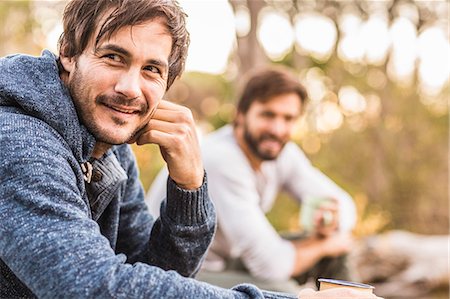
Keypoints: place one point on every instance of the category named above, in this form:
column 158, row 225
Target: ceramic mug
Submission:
column 309, row 207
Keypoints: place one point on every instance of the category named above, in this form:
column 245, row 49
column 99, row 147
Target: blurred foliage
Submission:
column 392, row 159
column 149, row 162
column 25, row 25
column 18, row 37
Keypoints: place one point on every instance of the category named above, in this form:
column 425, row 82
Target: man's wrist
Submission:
column 194, row 185
column 187, row 206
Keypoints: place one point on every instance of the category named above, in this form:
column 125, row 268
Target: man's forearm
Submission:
column 308, row 253
column 184, row 230
column 313, row 249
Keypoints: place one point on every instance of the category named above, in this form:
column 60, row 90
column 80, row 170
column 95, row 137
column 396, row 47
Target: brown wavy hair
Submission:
column 264, row 84
column 82, row 17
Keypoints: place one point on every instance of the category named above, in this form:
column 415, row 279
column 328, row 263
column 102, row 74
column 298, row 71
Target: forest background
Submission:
column 377, row 73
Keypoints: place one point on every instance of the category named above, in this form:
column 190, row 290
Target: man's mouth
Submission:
column 122, row 109
column 272, row 143
column 271, row 140
column 122, row 105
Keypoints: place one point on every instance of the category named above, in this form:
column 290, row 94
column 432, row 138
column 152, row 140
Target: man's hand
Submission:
column 311, row 250
column 337, row 293
column 326, row 218
column 336, row 245
column 172, row 127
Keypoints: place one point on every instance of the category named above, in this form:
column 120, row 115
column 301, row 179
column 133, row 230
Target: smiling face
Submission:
column 116, row 85
column 266, row 127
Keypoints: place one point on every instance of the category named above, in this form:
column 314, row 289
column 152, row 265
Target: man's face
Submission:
column 268, row 126
column 116, row 87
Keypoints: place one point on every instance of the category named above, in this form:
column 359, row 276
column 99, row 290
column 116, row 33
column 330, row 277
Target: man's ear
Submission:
column 68, row 63
column 239, row 120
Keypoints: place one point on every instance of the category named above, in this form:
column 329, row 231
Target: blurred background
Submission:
column 377, row 73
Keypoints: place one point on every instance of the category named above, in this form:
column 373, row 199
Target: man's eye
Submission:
column 113, row 57
column 289, row 119
column 267, row 115
column 152, row 69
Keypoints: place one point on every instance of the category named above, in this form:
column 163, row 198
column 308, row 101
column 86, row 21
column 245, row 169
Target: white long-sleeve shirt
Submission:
column 242, row 197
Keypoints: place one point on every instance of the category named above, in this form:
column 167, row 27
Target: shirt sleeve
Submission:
column 302, row 180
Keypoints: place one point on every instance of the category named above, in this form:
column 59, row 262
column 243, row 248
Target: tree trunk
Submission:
column 249, row 52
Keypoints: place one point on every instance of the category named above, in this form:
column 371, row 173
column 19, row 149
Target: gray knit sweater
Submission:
column 63, row 238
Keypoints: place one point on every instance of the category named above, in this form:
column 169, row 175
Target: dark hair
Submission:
column 82, row 17
column 264, row 84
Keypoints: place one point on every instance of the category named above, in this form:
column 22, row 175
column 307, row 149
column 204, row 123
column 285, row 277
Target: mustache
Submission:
column 118, row 100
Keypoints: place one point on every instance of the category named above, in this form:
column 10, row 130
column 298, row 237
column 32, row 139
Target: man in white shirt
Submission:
column 248, row 164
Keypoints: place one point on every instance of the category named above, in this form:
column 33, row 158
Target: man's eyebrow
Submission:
column 159, row 63
column 113, row 48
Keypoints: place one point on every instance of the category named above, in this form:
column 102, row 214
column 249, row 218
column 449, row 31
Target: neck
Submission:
column 100, row 149
column 63, row 74
column 255, row 162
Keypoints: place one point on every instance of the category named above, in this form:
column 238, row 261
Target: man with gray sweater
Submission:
column 73, row 222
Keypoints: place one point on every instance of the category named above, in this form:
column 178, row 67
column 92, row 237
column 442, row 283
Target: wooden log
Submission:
column 402, row 264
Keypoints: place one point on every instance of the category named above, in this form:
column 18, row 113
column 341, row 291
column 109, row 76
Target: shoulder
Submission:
column 27, row 133
column 292, row 152
column 291, row 162
column 12, row 64
column 220, row 143
column 220, row 151
column 29, row 145
column 32, row 151
column 34, row 155
column 31, row 71
column 224, row 161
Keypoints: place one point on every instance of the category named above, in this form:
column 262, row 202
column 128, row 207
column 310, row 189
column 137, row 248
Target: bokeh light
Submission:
column 316, row 35
column 401, row 64
column 350, row 48
column 211, row 41
column 434, row 60
column 275, row 34
column 351, row 100
column 242, row 20
column 375, row 39
column 329, row 117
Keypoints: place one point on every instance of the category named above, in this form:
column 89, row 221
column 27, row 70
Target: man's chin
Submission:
column 268, row 156
column 113, row 138
column 269, row 153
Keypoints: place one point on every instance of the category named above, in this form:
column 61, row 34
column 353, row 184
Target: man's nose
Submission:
column 129, row 84
column 279, row 127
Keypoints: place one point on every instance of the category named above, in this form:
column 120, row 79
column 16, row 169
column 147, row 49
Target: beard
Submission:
column 254, row 144
column 86, row 107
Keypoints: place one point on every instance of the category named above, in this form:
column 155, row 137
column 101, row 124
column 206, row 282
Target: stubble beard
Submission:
column 87, row 117
column 254, row 142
